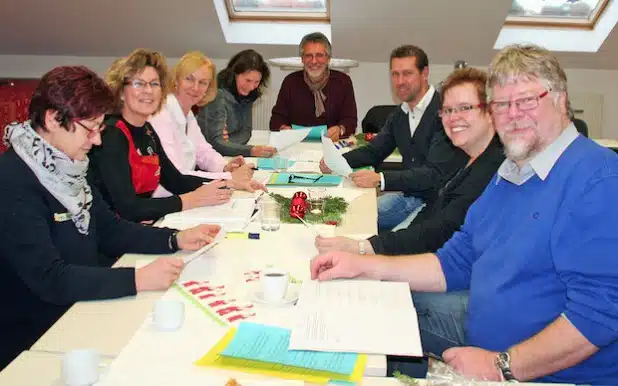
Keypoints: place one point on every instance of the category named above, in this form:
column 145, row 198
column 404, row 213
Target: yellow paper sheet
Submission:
column 213, row 359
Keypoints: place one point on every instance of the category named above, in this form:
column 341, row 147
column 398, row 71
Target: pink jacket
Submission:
column 185, row 144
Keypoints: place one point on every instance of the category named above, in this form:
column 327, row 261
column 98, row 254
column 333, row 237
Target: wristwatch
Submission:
column 341, row 130
column 361, row 247
column 503, row 363
column 172, row 242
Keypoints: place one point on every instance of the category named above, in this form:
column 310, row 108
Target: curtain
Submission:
column 14, row 101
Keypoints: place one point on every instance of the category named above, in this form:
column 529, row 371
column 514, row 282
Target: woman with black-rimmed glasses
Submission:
column 131, row 162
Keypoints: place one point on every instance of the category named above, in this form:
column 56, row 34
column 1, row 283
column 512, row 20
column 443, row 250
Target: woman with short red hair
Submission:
column 58, row 237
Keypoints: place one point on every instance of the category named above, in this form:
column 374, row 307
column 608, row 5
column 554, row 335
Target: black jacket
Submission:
column 47, row 265
column 429, row 157
column 444, row 213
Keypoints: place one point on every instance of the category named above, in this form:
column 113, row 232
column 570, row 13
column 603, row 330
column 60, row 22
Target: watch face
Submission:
column 503, row 360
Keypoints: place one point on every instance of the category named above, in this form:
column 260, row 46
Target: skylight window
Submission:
column 575, row 13
column 313, row 10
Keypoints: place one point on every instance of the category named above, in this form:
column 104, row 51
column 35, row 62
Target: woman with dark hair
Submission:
column 241, row 83
column 58, row 236
column 131, row 162
column 192, row 84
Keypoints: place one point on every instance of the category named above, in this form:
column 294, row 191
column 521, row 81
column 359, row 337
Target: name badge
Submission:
column 61, row 217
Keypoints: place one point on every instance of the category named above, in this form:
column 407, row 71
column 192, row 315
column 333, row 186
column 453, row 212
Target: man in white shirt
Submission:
column 429, row 158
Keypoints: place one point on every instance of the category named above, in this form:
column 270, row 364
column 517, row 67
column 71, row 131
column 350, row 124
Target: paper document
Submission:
column 286, row 138
column 361, row 316
column 270, row 344
column 303, row 166
column 232, row 215
column 214, row 359
column 307, row 155
column 315, row 132
column 333, row 158
column 193, row 255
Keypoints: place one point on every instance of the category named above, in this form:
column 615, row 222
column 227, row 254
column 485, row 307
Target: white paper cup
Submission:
column 274, row 284
column 168, row 315
column 81, row 367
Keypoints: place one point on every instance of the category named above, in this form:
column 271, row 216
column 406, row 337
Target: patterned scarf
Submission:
column 64, row 178
column 316, row 87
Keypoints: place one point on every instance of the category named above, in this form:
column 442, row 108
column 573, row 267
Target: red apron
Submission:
column 145, row 169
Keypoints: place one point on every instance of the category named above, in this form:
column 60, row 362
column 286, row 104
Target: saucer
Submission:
column 291, row 296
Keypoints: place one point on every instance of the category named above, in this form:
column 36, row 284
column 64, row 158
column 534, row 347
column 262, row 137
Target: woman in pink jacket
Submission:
column 193, row 82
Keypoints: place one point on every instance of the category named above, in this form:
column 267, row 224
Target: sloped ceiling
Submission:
column 365, row 30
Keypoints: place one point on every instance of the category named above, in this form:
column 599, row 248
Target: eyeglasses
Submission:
column 201, row 83
column 317, row 56
column 523, row 104
column 141, row 84
column 448, row 111
column 303, row 179
column 91, row 131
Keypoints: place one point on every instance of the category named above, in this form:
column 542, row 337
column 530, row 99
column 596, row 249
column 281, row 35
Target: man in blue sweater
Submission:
column 537, row 249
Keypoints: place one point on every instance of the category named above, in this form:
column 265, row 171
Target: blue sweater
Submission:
column 530, row 253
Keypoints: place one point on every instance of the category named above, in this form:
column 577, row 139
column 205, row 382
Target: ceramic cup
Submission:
column 274, row 284
column 81, row 367
column 168, row 315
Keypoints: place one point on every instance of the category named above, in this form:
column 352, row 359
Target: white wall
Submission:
column 371, row 81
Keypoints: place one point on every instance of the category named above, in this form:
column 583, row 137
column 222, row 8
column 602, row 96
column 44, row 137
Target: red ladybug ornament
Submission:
column 299, row 205
column 369, row 136
column 298, row 211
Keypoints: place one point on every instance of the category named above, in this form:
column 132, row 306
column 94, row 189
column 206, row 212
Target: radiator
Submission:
column 262, row 108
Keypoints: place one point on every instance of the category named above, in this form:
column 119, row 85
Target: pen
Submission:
column 243, row 235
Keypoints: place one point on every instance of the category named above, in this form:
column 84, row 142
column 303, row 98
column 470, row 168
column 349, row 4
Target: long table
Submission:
column 108, row 326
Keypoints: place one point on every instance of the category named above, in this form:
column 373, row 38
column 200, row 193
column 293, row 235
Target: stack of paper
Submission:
column 263, row 349
column 361, row 316
column 232, row 216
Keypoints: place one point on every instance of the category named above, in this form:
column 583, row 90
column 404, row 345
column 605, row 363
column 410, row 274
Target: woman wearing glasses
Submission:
column 131, row 163
column 58, row 236
column 226, row 121
column 192, row 83
column 467, row 122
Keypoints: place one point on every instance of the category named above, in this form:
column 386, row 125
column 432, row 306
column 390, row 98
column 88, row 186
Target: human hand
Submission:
column 335, row 265
column 263, row 151
column 195, row 238
column 213, row 193
column 158, row 275
column 226, row 134
column 334, row 132
column 473, row 362
column 243, row 173
column 285, row 127
column 323, row 168
column 248, row 185
column 366, row 178
column 345, row 244
column 234, row 163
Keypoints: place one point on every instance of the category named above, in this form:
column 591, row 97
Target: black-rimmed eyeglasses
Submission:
column 448, row 111
column 91, row 131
